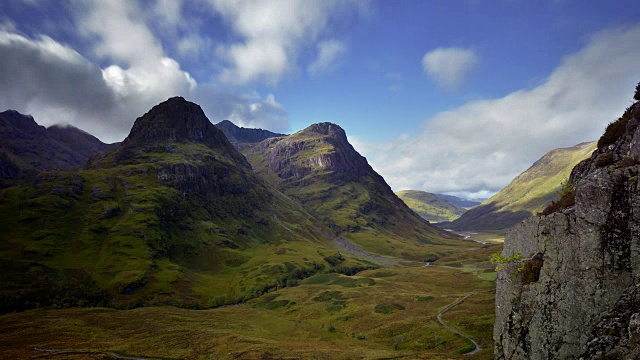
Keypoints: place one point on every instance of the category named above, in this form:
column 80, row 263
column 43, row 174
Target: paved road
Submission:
column 456, row 331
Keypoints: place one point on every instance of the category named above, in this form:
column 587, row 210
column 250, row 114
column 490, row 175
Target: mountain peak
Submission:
column 20, row 121
column 327, row 128
column 174, row 120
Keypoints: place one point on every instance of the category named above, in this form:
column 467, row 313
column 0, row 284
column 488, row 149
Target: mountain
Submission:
column 571, row 284
column 465, row 203
column 172, row 215
column 319, row 168
column 28, row 148
column 432, row 207
column 529, row 193
column 237, row 134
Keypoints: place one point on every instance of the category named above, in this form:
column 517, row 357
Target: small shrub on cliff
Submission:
column 604, row 159
column 636, row 96
column 502, row 262
column 567, row 199
column 615, row 130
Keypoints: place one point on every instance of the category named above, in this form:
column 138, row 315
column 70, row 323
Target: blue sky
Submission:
column 443, row 96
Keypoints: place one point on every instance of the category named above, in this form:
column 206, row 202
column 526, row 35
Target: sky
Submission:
column 454, row 97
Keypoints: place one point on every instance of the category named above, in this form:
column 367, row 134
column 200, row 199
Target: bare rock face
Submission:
column 319, row 147
column 576, row 295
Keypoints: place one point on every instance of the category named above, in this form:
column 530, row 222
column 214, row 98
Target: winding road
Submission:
column 456, row 331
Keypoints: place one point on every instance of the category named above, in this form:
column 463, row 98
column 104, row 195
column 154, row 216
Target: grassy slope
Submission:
column 528, row 193
column 383, row 313
column 120, row 229
column 361, row 208
column 431, row 206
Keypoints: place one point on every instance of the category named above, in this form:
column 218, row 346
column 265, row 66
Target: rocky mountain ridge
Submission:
column 239, row 135
column 173, row 215
column 575, row 294
column 28, row 148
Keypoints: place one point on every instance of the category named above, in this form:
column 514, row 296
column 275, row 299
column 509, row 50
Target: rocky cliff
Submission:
column 575, row 295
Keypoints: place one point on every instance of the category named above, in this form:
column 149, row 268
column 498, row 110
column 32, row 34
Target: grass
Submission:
column 432, row 207
column 135, row 235
column 291, row 322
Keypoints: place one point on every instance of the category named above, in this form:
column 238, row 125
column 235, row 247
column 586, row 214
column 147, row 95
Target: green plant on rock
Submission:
column 503, row 263
column 567, row 198
column 636, row 96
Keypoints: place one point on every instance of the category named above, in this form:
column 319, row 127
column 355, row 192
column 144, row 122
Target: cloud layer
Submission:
column 481, row 146
column 56, row 84
column 272, row 33
column 449, row 66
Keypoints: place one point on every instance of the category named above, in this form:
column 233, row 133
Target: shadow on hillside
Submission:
column 487, row 217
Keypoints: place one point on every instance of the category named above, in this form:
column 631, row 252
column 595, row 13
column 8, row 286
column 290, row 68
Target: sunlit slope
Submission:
column 432, row 207
column 318, row 167
column 529, row 193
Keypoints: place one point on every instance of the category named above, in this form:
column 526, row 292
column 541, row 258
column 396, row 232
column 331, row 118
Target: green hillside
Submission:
column 319, row 168
column 432, row 207
column 174, row 215
column 529, row 193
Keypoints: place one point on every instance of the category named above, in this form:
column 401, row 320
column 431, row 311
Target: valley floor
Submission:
column 388, row 313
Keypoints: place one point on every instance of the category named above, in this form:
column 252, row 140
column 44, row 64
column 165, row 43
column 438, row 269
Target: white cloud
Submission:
column 483, row 145
column 272, row 34
column 449, row 66
column 247, row 110
column 193, row 45
column 328, row 52
column 169, row 11
column 56, row 84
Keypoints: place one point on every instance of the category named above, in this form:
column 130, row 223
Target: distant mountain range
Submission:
column 435, row 207
column 465, row 203
column 528, row 194
column 176, row 215
column 237, row 134
column 28, row 148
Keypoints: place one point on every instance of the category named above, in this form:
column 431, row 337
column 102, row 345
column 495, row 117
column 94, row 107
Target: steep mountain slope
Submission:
column 173, row 215
column 318, row 167
column 432, row 207
column 28, row 148
column 528, row 193
column 237, row 134
column 575, row 293
column 465, row 203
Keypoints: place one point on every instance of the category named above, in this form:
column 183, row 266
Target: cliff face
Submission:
column 576, row 293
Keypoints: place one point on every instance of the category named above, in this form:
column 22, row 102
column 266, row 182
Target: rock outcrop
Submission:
column 576, row 295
